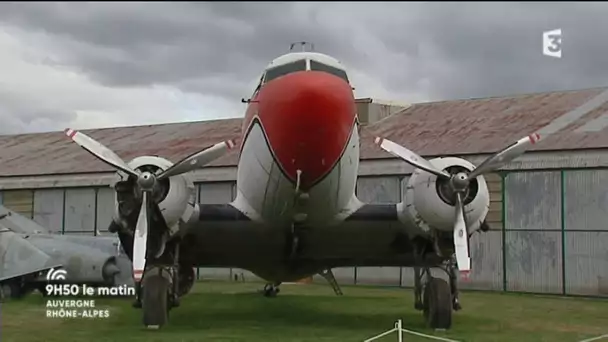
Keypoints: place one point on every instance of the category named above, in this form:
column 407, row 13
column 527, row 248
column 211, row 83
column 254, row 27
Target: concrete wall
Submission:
column 553, row 240
column 373, row 110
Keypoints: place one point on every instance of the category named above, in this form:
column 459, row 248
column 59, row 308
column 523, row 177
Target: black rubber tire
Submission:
column 270, row 291
column 43, row 291
column 155, row 301
column 5, row 293
column 186, row 281
column 16, row 290
column 438, row 304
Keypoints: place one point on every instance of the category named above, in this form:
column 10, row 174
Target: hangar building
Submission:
column 548, row 208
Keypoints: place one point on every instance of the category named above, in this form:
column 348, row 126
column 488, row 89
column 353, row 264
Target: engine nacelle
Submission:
column 429, row 202
column 176, row 196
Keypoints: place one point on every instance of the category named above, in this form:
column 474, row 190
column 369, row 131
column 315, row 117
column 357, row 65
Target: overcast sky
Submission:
column 86, row 65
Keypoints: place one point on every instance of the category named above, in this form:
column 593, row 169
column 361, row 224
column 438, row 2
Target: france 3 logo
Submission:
column 552, row 43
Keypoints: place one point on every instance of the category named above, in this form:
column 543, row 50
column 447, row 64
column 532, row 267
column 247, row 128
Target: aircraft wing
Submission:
column 18, row 257
column 20, row 224
column 221, row 213
column 105, row 244
column 85, row 258
column 375, row 213
column 370, row 235
column 27, row 247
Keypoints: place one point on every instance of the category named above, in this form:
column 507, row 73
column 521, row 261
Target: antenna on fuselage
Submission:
column 303, row 45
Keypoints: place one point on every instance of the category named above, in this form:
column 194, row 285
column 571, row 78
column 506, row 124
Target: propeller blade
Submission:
column 197, row 160
column 98, row 150
column 461, row 241
column 504, row 156
column 409, row 157
column 140, row 240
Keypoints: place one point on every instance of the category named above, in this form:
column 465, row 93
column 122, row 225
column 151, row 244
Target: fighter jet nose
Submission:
column 110, row 270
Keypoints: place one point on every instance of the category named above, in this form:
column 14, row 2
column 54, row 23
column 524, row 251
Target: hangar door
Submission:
column 19, row 201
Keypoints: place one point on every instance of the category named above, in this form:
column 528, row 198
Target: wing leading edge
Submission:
column 18, row 257
column 375, row 213
column 220, row 213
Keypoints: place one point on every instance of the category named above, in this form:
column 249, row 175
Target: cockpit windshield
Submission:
column 316, row 66
column 285, row 69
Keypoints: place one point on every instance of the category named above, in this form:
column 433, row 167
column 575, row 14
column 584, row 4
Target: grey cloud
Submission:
column 495, row 48
column 170, row 43
column 452, row 50
column 18, row 114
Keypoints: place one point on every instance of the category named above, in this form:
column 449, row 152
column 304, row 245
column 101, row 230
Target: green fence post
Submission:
column 96, row 203
column 563, row 227
column 63, row 213
column 33, row 204
column 504, row 231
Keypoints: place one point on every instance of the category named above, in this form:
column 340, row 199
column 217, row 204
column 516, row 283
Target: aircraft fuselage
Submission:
column 304, row 122
column 300, row 131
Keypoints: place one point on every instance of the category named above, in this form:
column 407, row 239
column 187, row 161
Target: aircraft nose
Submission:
column 308, row 118
column 109, row 270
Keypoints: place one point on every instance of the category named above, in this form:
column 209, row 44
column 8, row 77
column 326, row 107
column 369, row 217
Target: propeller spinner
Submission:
column 146, row 182
column 459, row 184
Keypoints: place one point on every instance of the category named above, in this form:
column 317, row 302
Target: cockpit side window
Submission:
column 316, row 66
column 258, row 86
column 285, row 69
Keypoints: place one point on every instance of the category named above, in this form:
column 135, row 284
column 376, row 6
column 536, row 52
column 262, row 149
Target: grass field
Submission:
column 235, row 312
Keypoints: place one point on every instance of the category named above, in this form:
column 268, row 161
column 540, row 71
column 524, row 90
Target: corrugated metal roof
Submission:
column 54, row 153
column 435, row 128
column 487, row 125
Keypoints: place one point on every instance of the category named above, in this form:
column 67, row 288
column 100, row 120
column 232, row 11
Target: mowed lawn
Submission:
column 216, row 311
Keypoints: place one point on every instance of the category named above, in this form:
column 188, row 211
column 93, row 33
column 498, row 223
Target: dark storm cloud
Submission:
column 445, row 50
column 172, row 43
column 496, row 48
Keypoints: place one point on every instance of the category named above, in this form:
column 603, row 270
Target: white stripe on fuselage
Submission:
column 265, row 194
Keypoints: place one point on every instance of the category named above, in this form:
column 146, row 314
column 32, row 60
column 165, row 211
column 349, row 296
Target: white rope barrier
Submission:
column 595, row 338
column 399, row 329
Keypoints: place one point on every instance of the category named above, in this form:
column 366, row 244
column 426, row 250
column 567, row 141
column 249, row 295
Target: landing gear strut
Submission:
column 329, row 276
column 271, row 289
column 435, row 297
column 451, row 270
column 300, row 217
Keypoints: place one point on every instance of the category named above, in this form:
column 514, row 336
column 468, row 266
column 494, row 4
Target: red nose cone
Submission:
column 308, row 118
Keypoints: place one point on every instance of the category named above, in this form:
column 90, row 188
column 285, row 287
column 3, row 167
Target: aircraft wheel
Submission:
column 438, row 304
column 5, row 293
column 43, row 291
column 14, row 290
column 186, row 280
column 155, row 296
column 271, row 291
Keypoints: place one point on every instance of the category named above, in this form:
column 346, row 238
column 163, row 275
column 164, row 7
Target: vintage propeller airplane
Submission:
column 296, row 213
